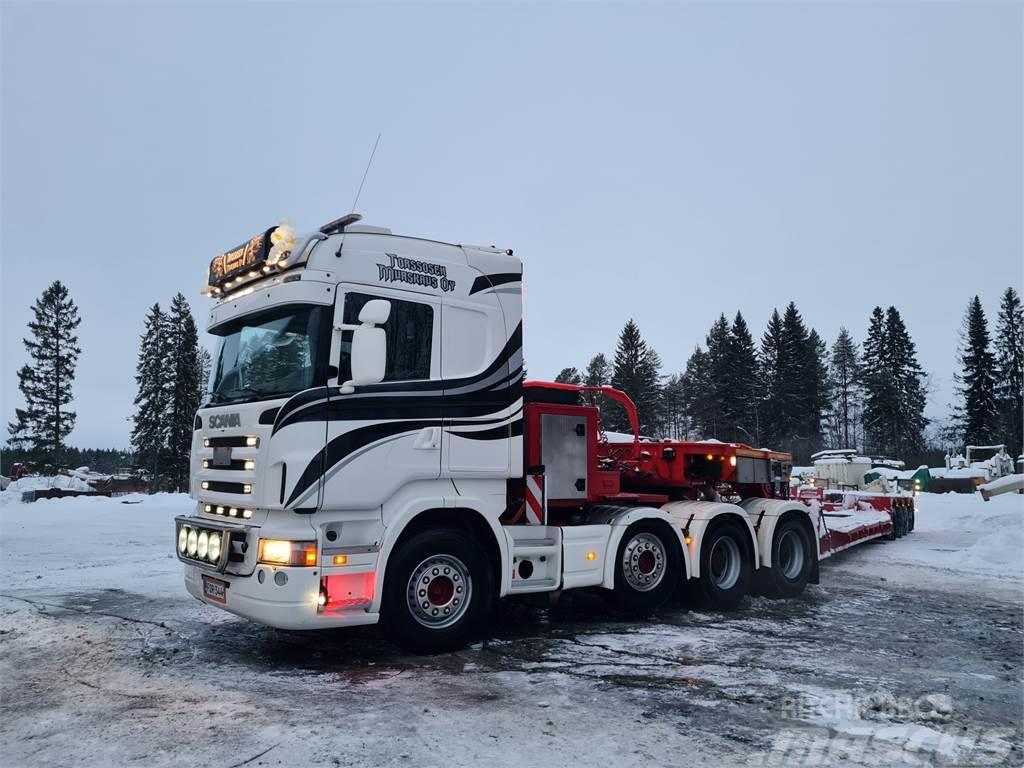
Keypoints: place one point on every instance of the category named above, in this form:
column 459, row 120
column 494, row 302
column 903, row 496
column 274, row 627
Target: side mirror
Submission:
column 369, row 346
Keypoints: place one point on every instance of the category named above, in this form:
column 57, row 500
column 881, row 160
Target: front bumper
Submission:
column 285, row 597
column 292, row 605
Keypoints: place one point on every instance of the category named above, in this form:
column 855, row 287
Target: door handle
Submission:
column 428, row 439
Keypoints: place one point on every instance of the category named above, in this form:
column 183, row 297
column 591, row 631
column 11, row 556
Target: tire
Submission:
column 647, row 568
column 894, row 533
column 438, row 591
column 913, row 512
column 726, row 569
column 792, row 560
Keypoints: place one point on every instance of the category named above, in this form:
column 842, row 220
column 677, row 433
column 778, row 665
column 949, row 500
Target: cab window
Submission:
column 410, row 335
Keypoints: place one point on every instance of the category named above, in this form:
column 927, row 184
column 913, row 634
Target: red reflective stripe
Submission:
column 534, row 499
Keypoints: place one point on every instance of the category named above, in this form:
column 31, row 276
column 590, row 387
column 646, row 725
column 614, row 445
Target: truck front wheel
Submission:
column 437, row 591
column 725, row 565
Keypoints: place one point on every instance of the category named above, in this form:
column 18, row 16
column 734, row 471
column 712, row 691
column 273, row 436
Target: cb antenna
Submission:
column 339, row 225
column 368, row 164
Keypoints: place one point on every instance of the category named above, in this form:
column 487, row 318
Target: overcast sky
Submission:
column 663, row 162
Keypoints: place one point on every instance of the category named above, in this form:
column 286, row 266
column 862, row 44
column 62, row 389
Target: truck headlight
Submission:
column 213, row 548
column 192, row 542
column 284, row 552
column 203, row 545
column 182, row 540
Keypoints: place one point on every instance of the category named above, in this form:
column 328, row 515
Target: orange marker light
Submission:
column 591, row 555
column 341, row 559
column 710, row 457
column 310, row 557
column 688, row 541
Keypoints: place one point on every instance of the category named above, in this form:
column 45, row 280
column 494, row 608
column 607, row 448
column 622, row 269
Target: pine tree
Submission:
column 819, row 390
column 910, row 423
column 205, row 369
column 773, row 355
column 741, row 385
column 894, row 393
column 569, row 376
column 718, row 370
column 184, row 376
column 152, row 399
column 599, row 372
column 845, row 376
column 879, row 392
column 673, row 404
column 1009, row 346
column 977, row 414
column 46, row 382
column 695, row 389
column 637, row 372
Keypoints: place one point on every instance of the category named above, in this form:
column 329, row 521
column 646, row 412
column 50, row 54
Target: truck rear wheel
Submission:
column 647, row 568
column 725, row 564
column 437, row 591
column 792, row 560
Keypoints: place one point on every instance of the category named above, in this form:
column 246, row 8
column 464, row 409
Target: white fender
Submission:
column 620, row 518
column 766, row 513
column 698, row 515
column 398, row 518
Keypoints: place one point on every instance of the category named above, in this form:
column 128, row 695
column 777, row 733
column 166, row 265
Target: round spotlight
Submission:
column 213, row 551
column 204, row 543
column 193, row 542
column 182, row 539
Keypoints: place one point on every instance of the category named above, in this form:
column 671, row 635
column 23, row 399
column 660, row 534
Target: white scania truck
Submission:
column 368, row 452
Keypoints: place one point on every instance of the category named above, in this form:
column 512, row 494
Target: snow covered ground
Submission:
column 909, row 653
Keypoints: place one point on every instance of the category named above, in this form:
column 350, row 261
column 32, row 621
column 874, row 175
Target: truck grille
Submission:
column 223, row 486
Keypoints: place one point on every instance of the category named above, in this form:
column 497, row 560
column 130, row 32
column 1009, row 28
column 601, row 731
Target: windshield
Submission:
column 270, row 354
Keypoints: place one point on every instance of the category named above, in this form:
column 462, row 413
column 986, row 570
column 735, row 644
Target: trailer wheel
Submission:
column 725, row 565
column 893, row 533
column 792, row 560
column 912, row 514
column 437, row 591
column 647, row 568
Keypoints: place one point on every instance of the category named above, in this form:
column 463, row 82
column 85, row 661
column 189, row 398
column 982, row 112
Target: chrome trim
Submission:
column 368, row 550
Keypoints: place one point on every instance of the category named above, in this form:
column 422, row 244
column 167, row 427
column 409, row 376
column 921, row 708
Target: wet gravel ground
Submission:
column 858, row 671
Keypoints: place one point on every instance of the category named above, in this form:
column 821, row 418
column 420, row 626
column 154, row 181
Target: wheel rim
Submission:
column 724, row 563
column 644, row 562
column 791, row 555
column 439, row 591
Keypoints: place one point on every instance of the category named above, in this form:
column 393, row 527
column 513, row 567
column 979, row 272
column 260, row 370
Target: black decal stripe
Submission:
column 307, row 405
column 483, row 403
column 503, row 432
column 484, row 282
column 343, row 445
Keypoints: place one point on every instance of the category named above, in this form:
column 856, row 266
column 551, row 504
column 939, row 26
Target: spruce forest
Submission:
column 794, row 391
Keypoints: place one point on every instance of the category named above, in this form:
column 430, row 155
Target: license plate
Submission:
column 222, row 456
column 215, row 589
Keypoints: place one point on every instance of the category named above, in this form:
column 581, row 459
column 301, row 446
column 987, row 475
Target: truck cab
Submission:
column 358, row 374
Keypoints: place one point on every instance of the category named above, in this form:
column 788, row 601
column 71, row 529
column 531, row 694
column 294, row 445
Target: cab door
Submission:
column 383, row 436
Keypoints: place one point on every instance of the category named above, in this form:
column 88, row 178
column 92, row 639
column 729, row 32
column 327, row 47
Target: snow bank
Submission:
column 37, row 483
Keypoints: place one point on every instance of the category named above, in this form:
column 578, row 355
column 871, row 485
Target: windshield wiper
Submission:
column 241, row 392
